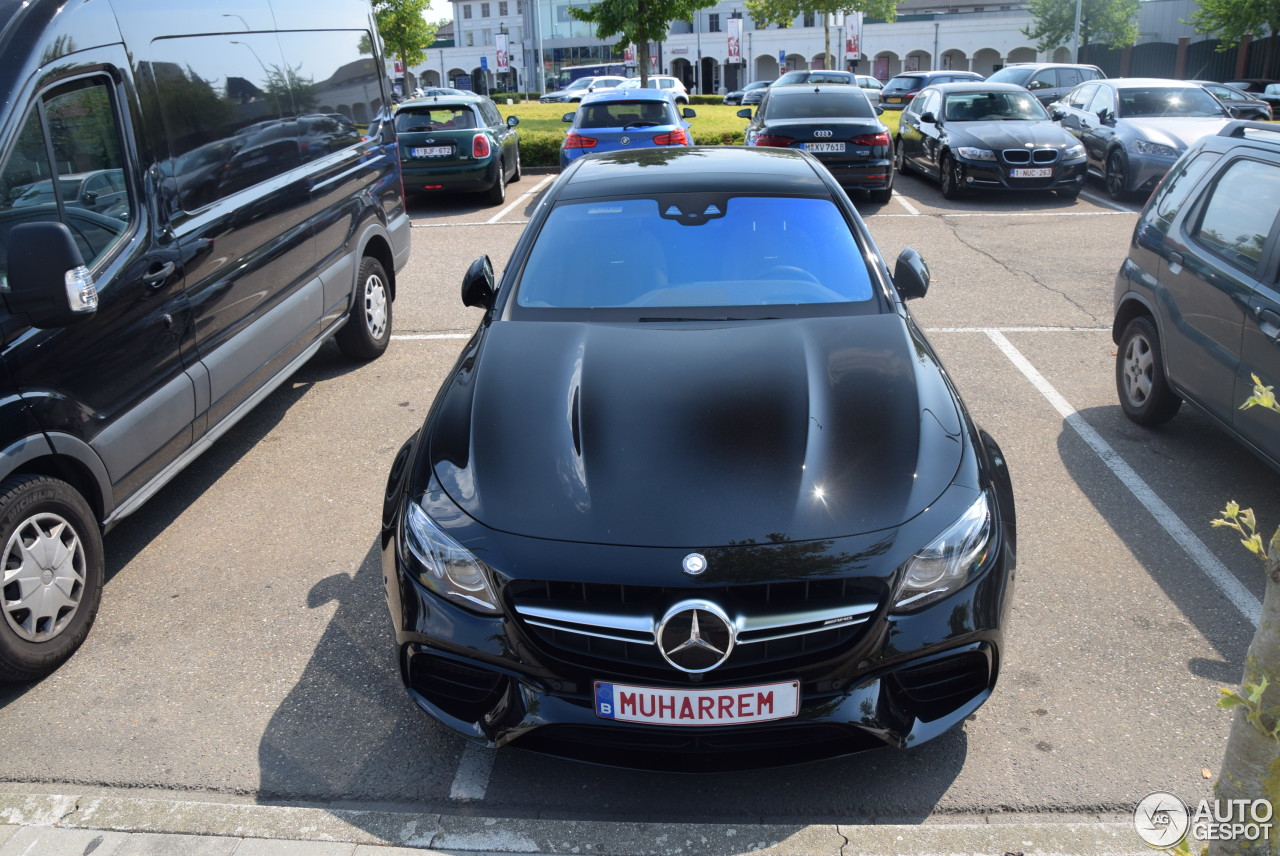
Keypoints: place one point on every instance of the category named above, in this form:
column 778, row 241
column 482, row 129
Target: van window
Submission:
column 83, row 186
column 337, row 91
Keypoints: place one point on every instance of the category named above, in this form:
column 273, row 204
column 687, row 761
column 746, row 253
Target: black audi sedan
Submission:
column 835, row 122
column 698, row 495
column 988, row 136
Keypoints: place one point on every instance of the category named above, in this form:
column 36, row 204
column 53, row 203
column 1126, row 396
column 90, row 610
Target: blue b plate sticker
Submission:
column 604, row 701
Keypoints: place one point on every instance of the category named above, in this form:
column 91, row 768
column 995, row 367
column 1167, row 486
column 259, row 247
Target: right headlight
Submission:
column 948, row 561
column 971, row 153
column 445, row 566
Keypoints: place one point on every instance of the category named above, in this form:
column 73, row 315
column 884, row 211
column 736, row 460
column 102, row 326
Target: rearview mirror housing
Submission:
column 910, row 275
column 477, row 286
column 48, row 280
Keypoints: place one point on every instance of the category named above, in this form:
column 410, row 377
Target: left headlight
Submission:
column 971, row 153
column 948, row 561
column 447, row 568
column 1159, row 149
column 1073, row 153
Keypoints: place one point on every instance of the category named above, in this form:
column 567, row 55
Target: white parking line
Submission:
column 902, row 200
column 472, row 779
column 1241, row 598
column 520, row 200
column 421, row 337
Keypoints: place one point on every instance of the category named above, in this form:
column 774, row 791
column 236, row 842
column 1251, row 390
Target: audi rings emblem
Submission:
column 822, row 133
column 695, row 636
column 694, row 564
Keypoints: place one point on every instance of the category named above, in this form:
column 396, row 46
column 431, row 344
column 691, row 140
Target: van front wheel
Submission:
column 368, row 329
column 51, row 570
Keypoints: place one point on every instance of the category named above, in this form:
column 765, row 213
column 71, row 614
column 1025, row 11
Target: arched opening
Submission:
column 480, row 81
column 955, row 60
column 795, row 62
column 985, row 61
column 766, row 67
column 710, row 76
column 1022, row 55
column 430, row 78
column 457, row 76
column 683, row 69
column 1062, row 55
column 917, row 61
column 886, row 65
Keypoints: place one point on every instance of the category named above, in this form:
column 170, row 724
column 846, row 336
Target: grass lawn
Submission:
column 542, row 129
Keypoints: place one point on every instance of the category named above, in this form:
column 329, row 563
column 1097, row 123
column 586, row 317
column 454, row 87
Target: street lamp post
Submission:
column 697, row 69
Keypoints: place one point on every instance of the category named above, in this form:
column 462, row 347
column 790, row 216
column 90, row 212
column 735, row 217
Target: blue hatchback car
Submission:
column 621, row 119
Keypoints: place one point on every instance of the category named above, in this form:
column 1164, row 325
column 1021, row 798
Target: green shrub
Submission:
column 706, row 99
column 540, row 148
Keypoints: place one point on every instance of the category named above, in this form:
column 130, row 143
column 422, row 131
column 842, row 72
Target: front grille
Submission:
column 937, row 688
column 612, row 627
column 1040, row 157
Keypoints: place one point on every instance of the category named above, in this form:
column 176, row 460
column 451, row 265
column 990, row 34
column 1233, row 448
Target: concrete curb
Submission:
column 143, row 825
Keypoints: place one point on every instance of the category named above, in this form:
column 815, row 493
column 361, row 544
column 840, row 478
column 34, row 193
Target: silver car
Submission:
column 1133, row 129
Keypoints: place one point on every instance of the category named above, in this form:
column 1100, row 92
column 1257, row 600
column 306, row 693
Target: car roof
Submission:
column 622, row 95
column 1045, row 64
column 787, row 89
column 937, row 71
column 436, row 100
column 1136, row 82
column 695, row 169
column 977, row 86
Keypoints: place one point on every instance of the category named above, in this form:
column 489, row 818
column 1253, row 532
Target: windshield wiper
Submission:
column 640, row 125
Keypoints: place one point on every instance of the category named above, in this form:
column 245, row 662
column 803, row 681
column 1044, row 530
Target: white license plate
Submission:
column 1044, row 172
column 699, row 708
column 431, row 151
column 824, row 147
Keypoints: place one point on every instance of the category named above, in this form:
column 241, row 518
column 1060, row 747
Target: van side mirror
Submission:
column 477, row 285
column 910, row 275
column 48, row 281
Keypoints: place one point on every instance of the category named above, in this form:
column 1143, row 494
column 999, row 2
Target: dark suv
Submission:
column 1047, row 81
column 1197, row 301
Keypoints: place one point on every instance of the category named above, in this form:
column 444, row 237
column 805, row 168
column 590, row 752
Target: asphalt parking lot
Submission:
column 244, row 652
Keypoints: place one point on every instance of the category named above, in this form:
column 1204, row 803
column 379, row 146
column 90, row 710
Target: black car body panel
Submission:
column 902, row 89
column 1047, row 81
column 613, row 469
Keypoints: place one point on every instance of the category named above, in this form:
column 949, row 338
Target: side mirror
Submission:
column 910, row 275
column 1057, row 115
column 928, row 116
column 879, row 110
column 745, row 112
column 477, row 285
column 1104, row 116
column 688, row 113
column 568, row 117
column 48, row 281
column 512, row 121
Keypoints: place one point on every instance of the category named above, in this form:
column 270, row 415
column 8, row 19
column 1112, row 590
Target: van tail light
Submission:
column 774, row 140
column 576, row 141
column 871, row 140
column 479, row 146
column 676, row 138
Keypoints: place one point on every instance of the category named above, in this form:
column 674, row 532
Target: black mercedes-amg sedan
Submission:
column 698, row 494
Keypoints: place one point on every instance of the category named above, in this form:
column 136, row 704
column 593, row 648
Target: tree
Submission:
column 1251, row 763
column 638, row 21
column 1110, row 22
column 783, row 12
column 1232, row 20
column 404, row 29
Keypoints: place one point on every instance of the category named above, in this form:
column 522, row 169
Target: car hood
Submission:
column 696, row 434
column 1176, row 131
column 1018, row 134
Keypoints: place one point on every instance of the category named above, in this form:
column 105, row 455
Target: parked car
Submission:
column 581, row 87
column 458, row 144
column 623, row 119
column 1261, row 88
column 662, row 82
column 432, row 91
column 900, row 90
column 1048, row 81
column 817, row 76
column 837, row 124
column 698, row 494
column 869, row 85
column 1197, row 304
column 755, row 94
column 142, row 319
column 1239, row 104
column 734, row 98
column 988, row 136
column 1133, row 129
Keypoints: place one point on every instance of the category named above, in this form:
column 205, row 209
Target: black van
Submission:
column 194, row 197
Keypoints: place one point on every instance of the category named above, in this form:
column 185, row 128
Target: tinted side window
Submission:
column 336, row 90
column 1177, row 187
column 1081, row 96
column 1068, row 77
column 1043, row 79
column 1240, row 212
column 84, row 185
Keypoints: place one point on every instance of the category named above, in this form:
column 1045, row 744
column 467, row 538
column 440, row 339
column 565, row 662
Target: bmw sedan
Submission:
column 988, row 136
column 698, row 493
column 1133, row 129
column 834, row 122
column 623, row 119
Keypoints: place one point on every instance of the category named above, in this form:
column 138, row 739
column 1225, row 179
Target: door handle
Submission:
column 1269, row 323
column 157, row 277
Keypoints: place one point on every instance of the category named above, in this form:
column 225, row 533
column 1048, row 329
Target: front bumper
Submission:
column 1145, row 171
column 899, row 681
column 996, row 175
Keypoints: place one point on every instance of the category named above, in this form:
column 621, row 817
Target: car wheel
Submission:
column 51, row 556
column 367, row 332
column 498, row 193
column 1117, row 177
column 1144, row 392
column 899, row 158
column 515, row 173
column 949, row 175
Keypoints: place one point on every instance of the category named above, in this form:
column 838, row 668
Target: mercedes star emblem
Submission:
column 695, row 636
column 694, row 564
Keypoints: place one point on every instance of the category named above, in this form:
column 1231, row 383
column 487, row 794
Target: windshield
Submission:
column 435, row 118
column 695, row 250
column 580, row 83
column 819, row 105
column 992, row 107
column 1010, row 75
column 1152, row 102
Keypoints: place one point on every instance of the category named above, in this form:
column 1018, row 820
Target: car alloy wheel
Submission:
column 949, row 175
column 1117, row 178
column 1144, row 392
